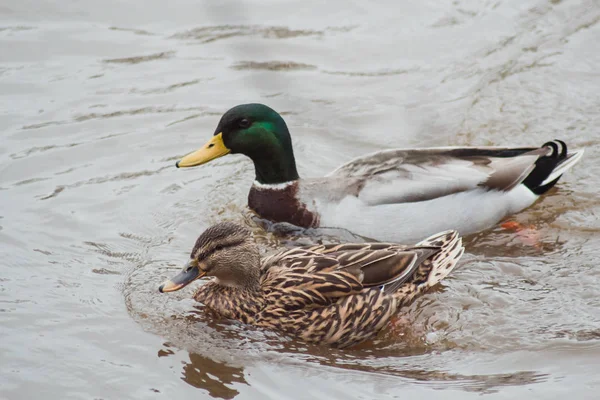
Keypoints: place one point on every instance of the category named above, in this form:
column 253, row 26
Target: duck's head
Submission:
column 256, row 131
column 225, row 251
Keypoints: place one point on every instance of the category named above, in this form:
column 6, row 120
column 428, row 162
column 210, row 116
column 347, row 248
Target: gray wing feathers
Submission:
column 402, row 176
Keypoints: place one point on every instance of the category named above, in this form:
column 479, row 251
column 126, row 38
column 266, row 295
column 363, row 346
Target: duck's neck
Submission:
column 247, row 284
column 243, row 274
column 275, row 165
column 273, row 157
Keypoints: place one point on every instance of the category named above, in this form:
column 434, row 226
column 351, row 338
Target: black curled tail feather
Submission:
column 536, row 181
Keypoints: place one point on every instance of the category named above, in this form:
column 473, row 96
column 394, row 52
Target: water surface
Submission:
column 98, row 100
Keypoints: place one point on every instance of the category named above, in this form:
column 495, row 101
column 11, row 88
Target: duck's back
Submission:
column 312, row 298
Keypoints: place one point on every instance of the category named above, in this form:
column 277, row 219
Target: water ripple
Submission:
column 132, row 30
column 273, row 66
column 209, row 34
column 140, row 59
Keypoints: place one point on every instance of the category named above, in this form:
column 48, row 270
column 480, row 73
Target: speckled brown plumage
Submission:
column 339, row 295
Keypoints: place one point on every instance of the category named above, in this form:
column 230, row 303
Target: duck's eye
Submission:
column 244, row 123
column 218, row 247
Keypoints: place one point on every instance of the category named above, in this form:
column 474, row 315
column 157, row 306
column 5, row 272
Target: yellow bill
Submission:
column 215, row 148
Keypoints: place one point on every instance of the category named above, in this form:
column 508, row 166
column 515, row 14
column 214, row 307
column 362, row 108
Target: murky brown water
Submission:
column 98, row 99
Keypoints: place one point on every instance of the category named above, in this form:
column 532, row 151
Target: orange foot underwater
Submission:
column 527, row 234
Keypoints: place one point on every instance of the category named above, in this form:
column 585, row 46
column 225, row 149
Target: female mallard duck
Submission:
column 335, row 294
column 427, row 190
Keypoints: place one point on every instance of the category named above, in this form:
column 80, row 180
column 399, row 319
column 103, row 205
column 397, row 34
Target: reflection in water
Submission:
column 212, row 341
column 215, row 377
column 472, row 383
column 372, row 357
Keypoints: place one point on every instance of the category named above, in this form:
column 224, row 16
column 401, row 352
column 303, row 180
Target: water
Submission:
column 98, row 100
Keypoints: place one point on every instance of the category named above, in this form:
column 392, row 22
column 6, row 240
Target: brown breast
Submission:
column 232, row 303
column 281, row 205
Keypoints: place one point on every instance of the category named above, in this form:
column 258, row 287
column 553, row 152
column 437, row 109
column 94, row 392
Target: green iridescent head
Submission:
column 256, row 131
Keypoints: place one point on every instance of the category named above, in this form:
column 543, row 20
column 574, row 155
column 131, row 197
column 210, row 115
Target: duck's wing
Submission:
column 412, row 175
column 377, row 264
column 319, row 275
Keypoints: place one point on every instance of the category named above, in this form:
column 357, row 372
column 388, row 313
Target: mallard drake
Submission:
column 336, row 294
column 392, row 195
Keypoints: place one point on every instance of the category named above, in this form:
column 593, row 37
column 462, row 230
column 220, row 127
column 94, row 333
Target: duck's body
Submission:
column 426, row 190
column 339, row 295
column 402, row 195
